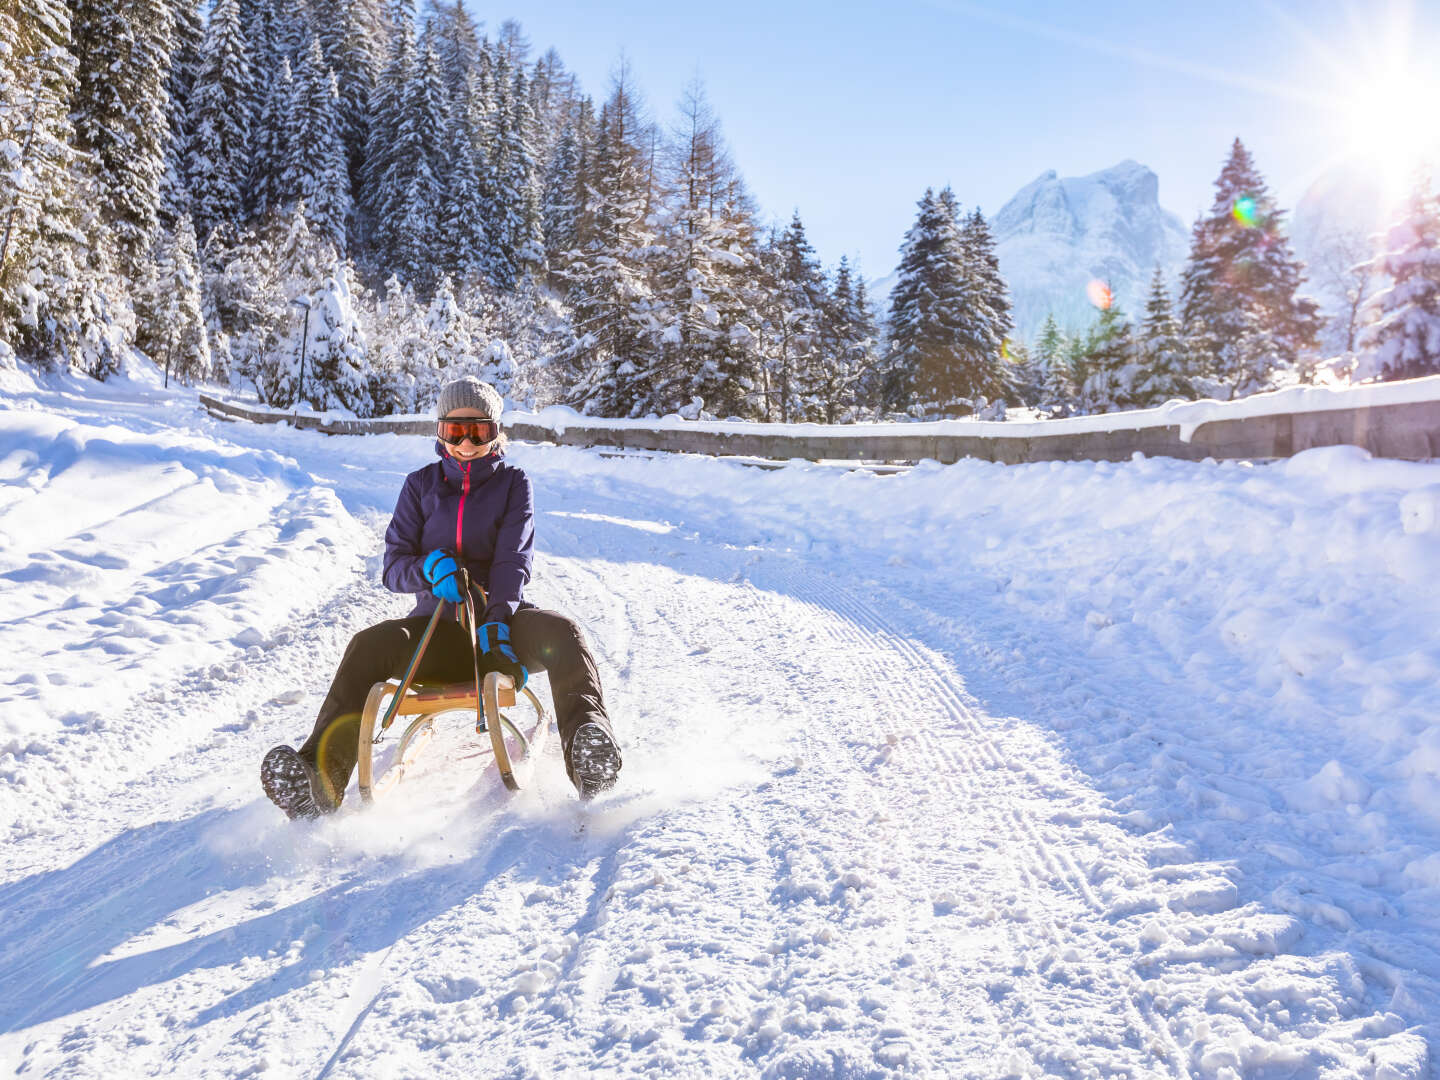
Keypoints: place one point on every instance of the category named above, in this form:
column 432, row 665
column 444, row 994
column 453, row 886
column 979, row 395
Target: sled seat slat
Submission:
column 433, row 698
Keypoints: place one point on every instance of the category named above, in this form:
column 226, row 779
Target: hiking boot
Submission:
column 293, row 785
column 593, row 760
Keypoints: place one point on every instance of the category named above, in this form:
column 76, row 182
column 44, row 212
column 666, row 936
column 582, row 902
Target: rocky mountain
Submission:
column 1059, row 234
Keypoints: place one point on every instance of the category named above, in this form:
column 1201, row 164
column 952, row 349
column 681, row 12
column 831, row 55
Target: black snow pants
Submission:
column 543, row 641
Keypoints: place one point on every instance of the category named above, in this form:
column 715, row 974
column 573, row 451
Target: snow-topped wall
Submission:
column 1393, row 420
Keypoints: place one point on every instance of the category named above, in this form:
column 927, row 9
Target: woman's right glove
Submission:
column 443, row 573
column 493, row 638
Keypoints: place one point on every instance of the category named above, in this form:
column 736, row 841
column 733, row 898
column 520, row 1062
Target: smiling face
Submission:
column 467, row 450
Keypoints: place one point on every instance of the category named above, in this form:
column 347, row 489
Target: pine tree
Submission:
column 456, row 41
column 1238, row 295
column 317, row 170
column 219, row 158
column 1165, row 361
column 336, row 349
column 1109, row 363
column 273, row 186
column 936, row 356
column 1057, row 384
column 990, row 319
column 186, row 346
column 793, row 320
column 119, row 115
column 1403, row 330
column 607, row 278
column 463, row 237
column 391, row 151
column 701, row 257
column 352, row 40
column 186, row 56
column 516, row 240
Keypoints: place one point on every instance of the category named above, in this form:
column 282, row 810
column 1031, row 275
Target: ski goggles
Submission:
column 455, row 432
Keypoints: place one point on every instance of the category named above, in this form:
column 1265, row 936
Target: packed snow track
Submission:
column 1057, row 770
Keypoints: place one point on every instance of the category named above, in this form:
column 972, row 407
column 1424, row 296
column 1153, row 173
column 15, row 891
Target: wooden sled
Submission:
column 508, row 742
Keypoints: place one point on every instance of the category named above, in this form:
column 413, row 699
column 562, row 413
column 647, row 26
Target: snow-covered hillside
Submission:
column 1050, row 770
column 1056, row 235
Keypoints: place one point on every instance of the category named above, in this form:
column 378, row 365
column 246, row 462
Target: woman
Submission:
column 472, row 509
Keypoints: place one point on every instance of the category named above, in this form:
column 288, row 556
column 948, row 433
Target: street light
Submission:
column 304, row 302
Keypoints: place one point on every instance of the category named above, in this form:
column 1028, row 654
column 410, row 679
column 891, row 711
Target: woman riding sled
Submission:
column 470, row 510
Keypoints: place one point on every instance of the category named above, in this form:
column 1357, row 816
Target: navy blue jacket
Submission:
column 484, row 510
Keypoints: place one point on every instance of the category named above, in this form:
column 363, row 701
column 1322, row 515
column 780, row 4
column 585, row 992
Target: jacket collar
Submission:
column 481, row 469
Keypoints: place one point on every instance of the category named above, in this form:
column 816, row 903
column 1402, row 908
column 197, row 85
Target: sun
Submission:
column 1391, row 119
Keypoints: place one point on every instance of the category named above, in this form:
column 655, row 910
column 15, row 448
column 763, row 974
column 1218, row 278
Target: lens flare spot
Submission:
column 1099, row 294
column 1246, row 212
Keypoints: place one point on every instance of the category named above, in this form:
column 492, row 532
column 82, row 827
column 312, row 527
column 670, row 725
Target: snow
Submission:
column 1077, row 769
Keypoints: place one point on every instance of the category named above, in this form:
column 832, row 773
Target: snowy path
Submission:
column 879, row 817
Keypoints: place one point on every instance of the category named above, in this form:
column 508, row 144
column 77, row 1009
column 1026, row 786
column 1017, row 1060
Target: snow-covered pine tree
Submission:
column 118, row 113
column 991, row 320
column 932, row 347
column 317, row 170
column 187, row 37
column 1057, row 381
column 702, row 256
column 352, row 39
column 1241, row 278
column 515, row 234
column 1109, row 363
column 337, row 348
column 456, row 40
column 1164, row 359
column 1403, row 328
column 219, row 159
column 463, row 240
column 607, row 367
column 38, row 187
column 392, row 150
column 847, row 348
column 796, row 297
column 273, row 186
column 186, row 346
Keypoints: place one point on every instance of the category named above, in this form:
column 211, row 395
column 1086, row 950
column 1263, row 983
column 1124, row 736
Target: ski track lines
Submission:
column 826, row 861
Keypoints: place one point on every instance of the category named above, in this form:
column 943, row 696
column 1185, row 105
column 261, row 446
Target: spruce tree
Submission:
column 1109, row 363
column 1239, row 287
column 607, row 275
column 186, row 346
column 1165, row 361
column 990, row 318
column 186, row 56
column 273, row 186
column 219, row 157
column 1403, row 331
column 392, row 151
column 935, row 357
column 317, row 170
column 702, row 255
column 119, row 115
column 796, row 297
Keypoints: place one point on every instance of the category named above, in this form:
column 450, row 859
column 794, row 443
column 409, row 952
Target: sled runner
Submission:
column 484, row 697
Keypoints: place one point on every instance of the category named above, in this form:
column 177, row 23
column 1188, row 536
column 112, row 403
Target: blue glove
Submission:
column 442, row 572
column 493, row 638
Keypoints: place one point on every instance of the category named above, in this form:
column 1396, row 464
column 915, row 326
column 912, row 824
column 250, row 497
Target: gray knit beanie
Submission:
column 469, row 393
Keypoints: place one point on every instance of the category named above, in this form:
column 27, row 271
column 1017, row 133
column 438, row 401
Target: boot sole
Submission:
column 594, row 760
column 289, row 784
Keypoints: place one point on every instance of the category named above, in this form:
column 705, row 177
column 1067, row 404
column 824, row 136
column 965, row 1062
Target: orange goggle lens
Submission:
column 479, row 432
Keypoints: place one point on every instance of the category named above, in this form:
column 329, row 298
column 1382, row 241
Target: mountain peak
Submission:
column 1057, row 234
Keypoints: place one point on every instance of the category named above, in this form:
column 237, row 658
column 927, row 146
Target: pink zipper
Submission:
column 460, row 517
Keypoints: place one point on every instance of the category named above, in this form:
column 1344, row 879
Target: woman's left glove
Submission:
column 493, row 638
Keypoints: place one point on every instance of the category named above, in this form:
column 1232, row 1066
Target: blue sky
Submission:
column 848, row 111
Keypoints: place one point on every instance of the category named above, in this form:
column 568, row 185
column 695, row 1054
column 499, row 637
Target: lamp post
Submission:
column 303, row 302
